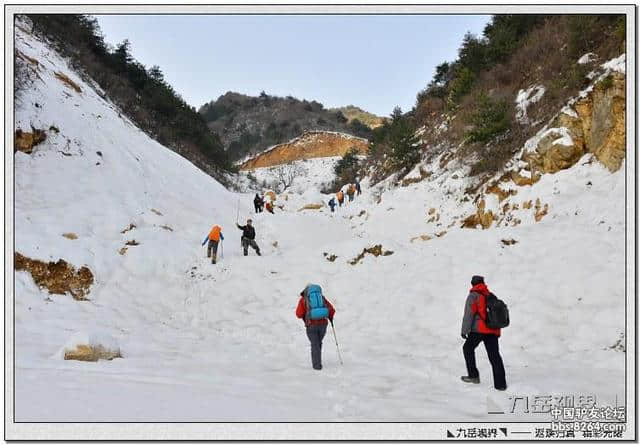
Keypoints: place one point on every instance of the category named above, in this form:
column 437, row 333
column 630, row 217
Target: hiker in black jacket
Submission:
column 258, row 203
column 248, row 237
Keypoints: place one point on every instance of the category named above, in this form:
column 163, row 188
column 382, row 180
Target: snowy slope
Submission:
column 221, row 343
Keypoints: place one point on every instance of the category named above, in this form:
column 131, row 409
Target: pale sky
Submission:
column 375, row 62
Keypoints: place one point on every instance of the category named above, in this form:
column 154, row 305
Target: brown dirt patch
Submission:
column 132, row 243
column 420, row 237
column 25, row 141
column 70, row 235
column 508, row 242
column 86, row 353
column 311, row 207
column 375, row 251
column 59, row 277
column 68, row 82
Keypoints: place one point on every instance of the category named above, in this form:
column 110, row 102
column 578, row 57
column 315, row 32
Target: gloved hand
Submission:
column 463, row 336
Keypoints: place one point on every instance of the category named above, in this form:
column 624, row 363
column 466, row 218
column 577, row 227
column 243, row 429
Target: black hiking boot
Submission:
column 468, row 379
column 501, row 389
column 258, row 253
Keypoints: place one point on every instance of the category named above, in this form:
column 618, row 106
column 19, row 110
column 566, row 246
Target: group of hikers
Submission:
column 351, row 191
column 482, row 313
column 259, row 204
column 215, row 236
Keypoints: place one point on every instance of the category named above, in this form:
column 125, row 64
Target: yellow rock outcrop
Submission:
column 312, row 144
column 597, row 127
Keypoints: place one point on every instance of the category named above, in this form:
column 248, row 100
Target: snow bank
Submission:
column 525, row 98
column 587, row 58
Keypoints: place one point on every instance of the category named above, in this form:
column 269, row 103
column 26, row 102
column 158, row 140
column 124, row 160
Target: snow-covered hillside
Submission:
column 203, row 342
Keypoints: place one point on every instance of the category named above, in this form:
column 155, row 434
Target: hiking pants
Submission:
column 257, row 207
column 351, row 197
column 491, row 344
column 246, row 242
column 316, row 334
column 212, row 249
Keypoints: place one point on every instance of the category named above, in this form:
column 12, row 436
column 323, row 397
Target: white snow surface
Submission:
column 525, row 98
column 205, row 342
column 587, row 58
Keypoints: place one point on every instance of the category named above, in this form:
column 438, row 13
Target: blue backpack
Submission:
column 316, row 309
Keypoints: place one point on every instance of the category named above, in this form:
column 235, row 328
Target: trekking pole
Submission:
column 238, row 211
column 222, row 249
column 336, row 339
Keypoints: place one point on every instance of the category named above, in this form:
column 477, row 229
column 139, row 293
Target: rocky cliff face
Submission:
column 592, row 123
column 312, row 144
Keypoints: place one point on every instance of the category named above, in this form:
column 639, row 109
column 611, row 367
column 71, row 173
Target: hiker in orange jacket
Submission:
column 340, row 197
column 214, row 237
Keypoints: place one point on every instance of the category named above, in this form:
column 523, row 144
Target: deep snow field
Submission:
column 203, row 342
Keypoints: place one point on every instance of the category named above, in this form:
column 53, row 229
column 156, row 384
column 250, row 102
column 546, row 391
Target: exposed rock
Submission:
column 87, row 353
column 25, row 141
column 156, row 212
column 311, row 207
column 70, row 235
column 123, row 250
column 167, row 228
column 68, row 82
column 508, row 242
column 375, row 251
column 499, row 192
column 597, row 126
column 540, row 211
column 420, row 237
column 129, row 227
column 59, row 277
column 330, row 257
column 312, row 144
column 132, row 243
column 482, row 218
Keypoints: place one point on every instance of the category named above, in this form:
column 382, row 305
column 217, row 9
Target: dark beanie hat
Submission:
column 476, row 279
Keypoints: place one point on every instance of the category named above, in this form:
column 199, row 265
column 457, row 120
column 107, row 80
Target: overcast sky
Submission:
column 374, row 62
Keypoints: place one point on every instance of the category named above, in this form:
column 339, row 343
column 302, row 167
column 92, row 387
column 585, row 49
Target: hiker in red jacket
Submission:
column 316, row 327
column 475, row 331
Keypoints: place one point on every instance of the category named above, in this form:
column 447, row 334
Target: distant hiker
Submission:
column 358, row 189
column 351, row 190
column 332, row 204
column 257, row 203
column 214, row 237
column 248, row 237
column 314, row 309
column 269, row 207
column 475, row 331
column 340, row 196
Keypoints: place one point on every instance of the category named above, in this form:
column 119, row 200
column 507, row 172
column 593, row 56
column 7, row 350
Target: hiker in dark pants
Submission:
column 475, row 331
column 248, row 238
column 214, row 237
column 257, row 203
column 332, row 204
column 316, row 328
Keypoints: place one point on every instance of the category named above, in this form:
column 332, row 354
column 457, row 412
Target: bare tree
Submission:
column 287, row 173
